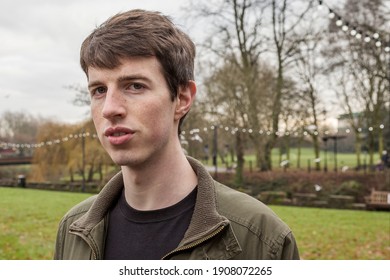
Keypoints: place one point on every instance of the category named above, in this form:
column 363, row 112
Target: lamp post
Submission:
column 83, row 159
column 215, row 151
column 335, row 138
column 325, row 139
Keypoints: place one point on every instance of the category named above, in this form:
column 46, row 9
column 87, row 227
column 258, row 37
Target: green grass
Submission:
column 338, row 234
column 307, row 157
column 29, row 220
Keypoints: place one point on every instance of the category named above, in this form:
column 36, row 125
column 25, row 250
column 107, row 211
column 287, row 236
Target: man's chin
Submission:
column 131, row 162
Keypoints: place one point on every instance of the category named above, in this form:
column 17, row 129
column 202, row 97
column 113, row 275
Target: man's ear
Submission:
column 185, row 98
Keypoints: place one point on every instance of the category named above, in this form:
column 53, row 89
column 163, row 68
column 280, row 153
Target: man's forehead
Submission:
column 128, row 65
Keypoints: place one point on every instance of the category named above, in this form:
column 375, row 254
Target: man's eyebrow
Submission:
column 121, row 79
column 94, row 84
column 133, row 77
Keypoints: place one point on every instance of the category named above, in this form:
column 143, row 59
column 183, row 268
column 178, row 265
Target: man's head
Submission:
column 139, row 33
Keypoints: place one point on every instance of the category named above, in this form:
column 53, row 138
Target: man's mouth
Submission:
column 118, row 135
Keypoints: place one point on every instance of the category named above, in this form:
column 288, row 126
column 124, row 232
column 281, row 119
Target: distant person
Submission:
column 162, row 205
column 206, row 154
column 385, row 159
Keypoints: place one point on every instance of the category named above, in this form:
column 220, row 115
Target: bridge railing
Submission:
column 15, row 160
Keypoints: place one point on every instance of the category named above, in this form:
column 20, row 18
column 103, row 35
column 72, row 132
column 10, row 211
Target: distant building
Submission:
column 8, row 152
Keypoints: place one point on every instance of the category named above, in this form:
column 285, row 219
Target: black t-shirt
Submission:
column 146, row 235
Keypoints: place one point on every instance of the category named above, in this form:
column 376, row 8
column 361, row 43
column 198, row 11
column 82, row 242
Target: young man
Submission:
column 162, row 205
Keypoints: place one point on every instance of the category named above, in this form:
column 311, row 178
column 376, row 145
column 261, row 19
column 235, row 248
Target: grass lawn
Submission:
column 29, row 219
column 330, row 234
column 307, row 157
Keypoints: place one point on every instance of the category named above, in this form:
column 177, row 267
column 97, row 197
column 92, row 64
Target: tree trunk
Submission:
column 317, row 152
column 90, row 173
column 267, row 156
column 239, row 179
column 100, row 170
column 358, row 149
column 371, row 150
column 299, row 154
column 71, row 174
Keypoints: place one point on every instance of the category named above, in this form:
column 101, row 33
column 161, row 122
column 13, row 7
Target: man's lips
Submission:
column 118, row 135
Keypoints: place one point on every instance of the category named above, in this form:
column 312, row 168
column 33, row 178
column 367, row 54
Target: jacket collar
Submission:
column 205, row 220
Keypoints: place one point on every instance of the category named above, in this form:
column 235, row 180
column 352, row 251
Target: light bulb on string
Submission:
column 353, row 31
column 331, row 14
column 320, row 6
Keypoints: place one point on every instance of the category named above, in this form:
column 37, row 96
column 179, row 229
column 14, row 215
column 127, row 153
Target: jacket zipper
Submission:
column 196, row 243
column 94, row 254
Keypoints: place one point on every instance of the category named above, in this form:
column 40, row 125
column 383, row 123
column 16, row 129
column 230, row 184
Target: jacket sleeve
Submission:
column 290, row 249
column 59, row 244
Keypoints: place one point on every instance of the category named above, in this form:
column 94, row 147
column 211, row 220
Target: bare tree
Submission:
column 365, row 64
column 228, row 105
column 350, row 101
column 236, row 49
column 82, row 97
column 19, row 128
column 309, row 68
column 286, row 41
column 242, row 31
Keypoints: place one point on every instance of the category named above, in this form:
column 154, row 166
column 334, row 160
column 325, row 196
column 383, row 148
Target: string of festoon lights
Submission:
column 356, row 30
column 192, row 133
column 56, row 141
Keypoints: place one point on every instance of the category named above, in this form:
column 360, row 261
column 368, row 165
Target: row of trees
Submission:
column 65, row 150
column 75, row 151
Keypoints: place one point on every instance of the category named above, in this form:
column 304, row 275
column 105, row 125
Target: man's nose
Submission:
column 114, row 105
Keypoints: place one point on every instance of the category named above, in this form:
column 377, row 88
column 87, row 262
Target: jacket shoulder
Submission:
column 79, row 209
column 243, row 207
column 257, row 228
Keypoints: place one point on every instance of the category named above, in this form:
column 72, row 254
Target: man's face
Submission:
column 132, row 111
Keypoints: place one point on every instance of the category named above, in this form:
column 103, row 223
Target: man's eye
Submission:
column 99, row 90
column 136, row 86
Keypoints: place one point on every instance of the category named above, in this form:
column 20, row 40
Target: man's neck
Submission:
column 160, row 184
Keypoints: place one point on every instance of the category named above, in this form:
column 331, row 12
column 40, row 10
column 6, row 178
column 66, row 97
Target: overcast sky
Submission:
column 39, row 52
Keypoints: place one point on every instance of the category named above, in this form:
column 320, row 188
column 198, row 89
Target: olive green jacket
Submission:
column 226, row 224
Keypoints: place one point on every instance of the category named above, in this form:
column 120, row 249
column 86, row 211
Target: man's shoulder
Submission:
column 245, row 210
column 79, row 209
column 259, row 231
column 242, row 201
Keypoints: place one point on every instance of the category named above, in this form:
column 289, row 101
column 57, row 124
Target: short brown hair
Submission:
column 141, row 33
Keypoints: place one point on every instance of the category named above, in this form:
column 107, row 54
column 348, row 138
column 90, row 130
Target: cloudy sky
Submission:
column 40, row 46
